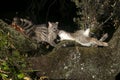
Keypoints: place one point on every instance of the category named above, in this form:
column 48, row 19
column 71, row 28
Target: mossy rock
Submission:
column 81, row 63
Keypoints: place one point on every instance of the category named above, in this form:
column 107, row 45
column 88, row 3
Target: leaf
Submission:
column 3, row 75
column 5, row 66
column 20, row 76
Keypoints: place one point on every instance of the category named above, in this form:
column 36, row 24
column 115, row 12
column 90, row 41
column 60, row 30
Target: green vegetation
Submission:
column 12, row 64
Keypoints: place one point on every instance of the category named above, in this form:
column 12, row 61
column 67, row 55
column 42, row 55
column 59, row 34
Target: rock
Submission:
column 81, row 63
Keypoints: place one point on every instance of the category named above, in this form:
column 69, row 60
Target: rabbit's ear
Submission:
column 86, row 32
column 56, row 22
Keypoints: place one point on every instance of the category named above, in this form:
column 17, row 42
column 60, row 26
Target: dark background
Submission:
column 43, row 11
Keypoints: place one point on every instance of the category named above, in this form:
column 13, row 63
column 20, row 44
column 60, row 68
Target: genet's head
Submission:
column 53, row 26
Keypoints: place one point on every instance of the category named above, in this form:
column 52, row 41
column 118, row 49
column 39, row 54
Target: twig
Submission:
column 106, row 20
column 1, row 71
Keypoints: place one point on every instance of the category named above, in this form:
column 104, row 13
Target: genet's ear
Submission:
column 49, row 24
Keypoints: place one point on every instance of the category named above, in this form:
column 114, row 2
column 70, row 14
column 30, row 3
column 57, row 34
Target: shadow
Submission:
column 117, row 77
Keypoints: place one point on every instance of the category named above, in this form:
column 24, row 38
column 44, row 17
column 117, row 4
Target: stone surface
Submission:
column 81, row 63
